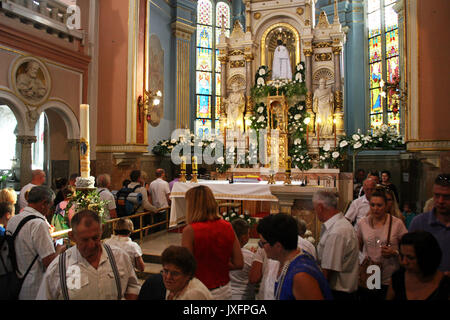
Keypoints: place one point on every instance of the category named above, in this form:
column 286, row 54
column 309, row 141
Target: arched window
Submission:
column 210, row 17
column 383, row 35
column 8, row 124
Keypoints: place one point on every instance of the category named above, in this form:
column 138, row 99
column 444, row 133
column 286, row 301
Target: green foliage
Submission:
column 87, row 200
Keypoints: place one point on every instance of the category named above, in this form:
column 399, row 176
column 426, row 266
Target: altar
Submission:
column 294, row 199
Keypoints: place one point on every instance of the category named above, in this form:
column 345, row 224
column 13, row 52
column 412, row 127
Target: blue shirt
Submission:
column 2, row 231
column 303, row 263
column 428, row 222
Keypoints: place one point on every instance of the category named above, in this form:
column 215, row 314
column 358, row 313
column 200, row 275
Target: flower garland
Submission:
column 385, row 137
column 330, row 157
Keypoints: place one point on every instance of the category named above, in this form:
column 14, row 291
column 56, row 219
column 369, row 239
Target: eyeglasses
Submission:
column 261, row 243
column 443, row 179
column 175, row 274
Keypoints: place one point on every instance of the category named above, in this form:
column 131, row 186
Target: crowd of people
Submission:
column 371, row 251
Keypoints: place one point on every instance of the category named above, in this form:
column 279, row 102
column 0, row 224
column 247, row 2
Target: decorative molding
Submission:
column 320, row 57
column 122, row 148
column 236, row 53
column 434, row 145
column 337, row 50
column 237, row 64
column 308, row 52
column 300, row 11
column 323, row 44
column 26, row 139
column 323, row 21
column 257, row 15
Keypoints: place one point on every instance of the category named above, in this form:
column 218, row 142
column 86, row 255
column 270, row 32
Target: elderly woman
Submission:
column 212, row 242
column 379, row 234
column 419, row 277
column 178, row 276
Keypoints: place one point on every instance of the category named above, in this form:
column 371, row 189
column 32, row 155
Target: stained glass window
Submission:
column 384, row 74
column 211, row 16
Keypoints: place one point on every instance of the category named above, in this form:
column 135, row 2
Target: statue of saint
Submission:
column 235, row 106
column 323, row 107
column 281, row 67
column 28, row 83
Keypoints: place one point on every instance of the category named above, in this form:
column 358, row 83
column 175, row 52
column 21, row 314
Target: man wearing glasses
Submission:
column 437, row 221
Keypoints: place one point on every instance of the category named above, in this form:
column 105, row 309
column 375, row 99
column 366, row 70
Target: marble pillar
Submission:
column 25, row 158
column 309, row 86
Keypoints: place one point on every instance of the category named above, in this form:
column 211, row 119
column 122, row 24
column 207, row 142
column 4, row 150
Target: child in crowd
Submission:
column 241, row 289
column 408, row 213
column 121, row 238
column 6, row 213
column 60, row 219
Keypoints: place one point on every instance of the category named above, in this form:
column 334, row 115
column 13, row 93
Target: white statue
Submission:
column 235, row 106
column 28, row 83
column 323, row 107
column 281, row 67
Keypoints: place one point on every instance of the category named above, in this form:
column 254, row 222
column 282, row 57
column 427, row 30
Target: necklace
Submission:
column 282, row 276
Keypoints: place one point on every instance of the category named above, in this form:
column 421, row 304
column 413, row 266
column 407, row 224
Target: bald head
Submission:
column 37, row 177
column 369, row 187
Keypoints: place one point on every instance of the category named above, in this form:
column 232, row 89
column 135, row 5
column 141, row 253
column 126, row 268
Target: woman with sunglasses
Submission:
column 212, row 241
column 178, row 276
column 379, row 234
column 419, row 277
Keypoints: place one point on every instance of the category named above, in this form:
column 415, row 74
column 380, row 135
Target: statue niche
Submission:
column 284, row 36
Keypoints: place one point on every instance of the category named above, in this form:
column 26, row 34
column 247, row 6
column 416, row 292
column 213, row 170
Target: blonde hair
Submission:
column 8, row 195
column 201, row 205
column 124, row 224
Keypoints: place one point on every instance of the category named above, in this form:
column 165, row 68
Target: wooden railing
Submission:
column 141, row 229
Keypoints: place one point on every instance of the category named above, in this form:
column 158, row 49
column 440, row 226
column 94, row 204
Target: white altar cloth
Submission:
column 221, row 190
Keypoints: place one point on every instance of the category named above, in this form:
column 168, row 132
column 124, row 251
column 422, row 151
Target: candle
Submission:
column 335, row 138
column 84, row 141
column 183, row 164
column 194, row 163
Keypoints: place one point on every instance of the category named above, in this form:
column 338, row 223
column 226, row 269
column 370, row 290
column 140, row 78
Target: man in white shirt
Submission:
column 34, row 240
column 338, row 248
column 160, row 190
column 37, row 179
column 103, row 184
column 90, row 274
column 360, row 207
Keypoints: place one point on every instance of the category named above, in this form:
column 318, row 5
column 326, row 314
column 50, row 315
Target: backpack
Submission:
column 10, row 282
column 125, row 207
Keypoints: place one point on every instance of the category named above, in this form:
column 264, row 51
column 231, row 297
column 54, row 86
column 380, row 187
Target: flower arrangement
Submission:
column 259, row 120
column 299, row 73
column 297, row 128
column 90, row 200
column 385, row 137
column 261, row 75
column 329, row 157
column 232, row 214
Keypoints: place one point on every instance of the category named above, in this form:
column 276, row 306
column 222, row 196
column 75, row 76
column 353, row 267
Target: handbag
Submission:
column 367, row 262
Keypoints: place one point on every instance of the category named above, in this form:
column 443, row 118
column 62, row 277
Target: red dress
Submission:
column 213, row 247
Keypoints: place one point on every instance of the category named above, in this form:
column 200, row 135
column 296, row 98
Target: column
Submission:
column 25, row 158
column 182, row 33
column 400, row 10
column 338, row 99
column 74, row 156
column 309, row 95
column 223, row 58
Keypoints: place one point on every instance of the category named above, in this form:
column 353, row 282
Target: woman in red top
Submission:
column 212, row 241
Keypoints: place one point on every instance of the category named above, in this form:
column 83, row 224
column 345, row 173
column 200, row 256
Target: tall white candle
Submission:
column 84, row 141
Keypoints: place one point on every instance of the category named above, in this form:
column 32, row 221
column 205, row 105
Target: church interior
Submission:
column 111, row 86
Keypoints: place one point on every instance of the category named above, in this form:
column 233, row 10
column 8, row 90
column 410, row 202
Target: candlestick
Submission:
column 183, row 169
column 287, row 179
column 84, row 141
column 335, row 138
column 194, row 163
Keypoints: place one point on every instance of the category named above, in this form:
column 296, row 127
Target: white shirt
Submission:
column 22, row 201
column 195, row 290
column 106, row 195
column 269, row 275
column 307, row 246
column 94, row 284
column 126, row 244
column 34, row 239
column 359, row 208
column 338, row 250
column 240, row 288
column 159, row 190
